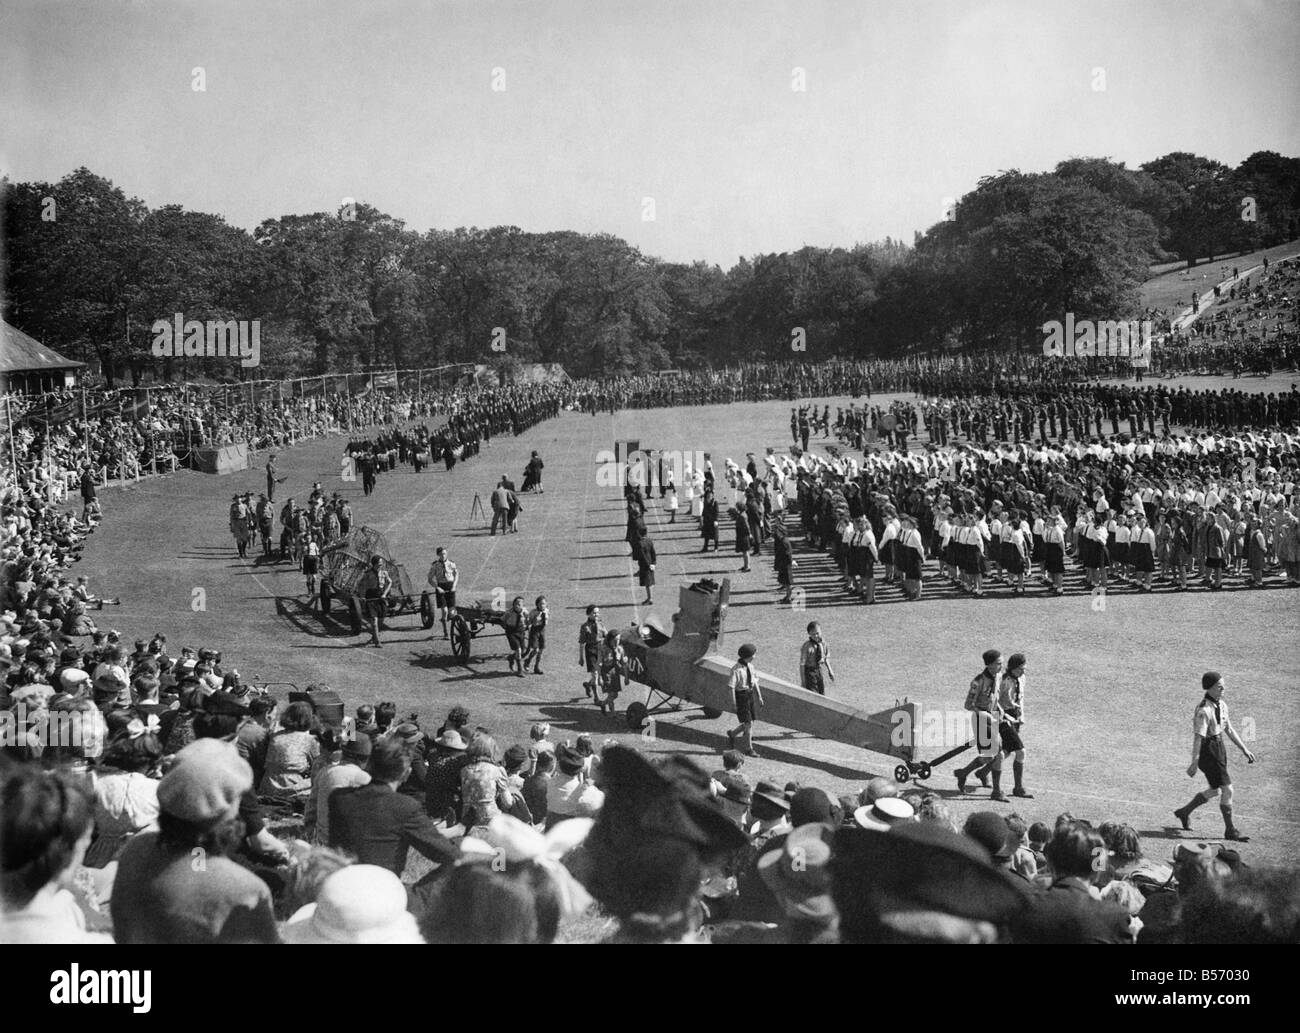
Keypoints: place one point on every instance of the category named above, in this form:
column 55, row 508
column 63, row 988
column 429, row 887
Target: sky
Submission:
column 905, row 105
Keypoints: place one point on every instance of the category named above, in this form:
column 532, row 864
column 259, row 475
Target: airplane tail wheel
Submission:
column 426, row 611
column 922, row 771
column 712, row 713
column 901, row 774
column 636, row 716
column 460, row 638
column 324, row 597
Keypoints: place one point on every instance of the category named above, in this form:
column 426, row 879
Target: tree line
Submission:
column 88, row 269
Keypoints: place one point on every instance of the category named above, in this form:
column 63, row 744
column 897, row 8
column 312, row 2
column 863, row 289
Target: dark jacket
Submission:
column 1067, row 913
column 379, row 826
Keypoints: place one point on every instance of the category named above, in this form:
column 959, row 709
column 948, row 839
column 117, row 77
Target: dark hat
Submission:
column 810, row 805
column 515, row 756
column 798, row 872
column 1210, row 679
column 919, row 866
column 358, row 747
column 769, row 792
column 747, row 651
column 568, row 760
column 989, row 830
column 672, row 800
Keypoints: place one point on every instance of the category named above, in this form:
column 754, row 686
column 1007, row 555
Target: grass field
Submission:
column 1177, row 284
column 1110, row 692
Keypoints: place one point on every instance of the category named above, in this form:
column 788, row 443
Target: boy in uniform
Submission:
column 1209, row 726
column 982, row 701
column 590, row 636
column 812, row 658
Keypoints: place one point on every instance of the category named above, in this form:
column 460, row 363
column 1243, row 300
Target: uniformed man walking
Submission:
column 982, row 701
column 1210, row 725
column 374, row 587
column 812, row 658
column 1011, row 697
column 444, row 576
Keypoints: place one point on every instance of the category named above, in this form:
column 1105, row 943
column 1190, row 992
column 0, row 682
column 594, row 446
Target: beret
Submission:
column 206, row 782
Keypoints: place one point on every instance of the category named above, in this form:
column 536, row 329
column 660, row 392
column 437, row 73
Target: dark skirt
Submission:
column 647, row 576
column 909, row 562
column 310, row 564
column 1013, row 561
column 969, row 558
column 1038, row 553
column 860, row 563
column 1054, row 557
column 1141, row 558
column 1120, row 553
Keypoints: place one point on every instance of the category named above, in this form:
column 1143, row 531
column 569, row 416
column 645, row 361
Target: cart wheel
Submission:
column 901, row 774
column 922, row 771
column 636, row 715
column 426, row 611
column 325, row 597
column 460, row 637
column 712, row 713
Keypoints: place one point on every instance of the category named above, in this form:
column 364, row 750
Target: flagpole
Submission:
column 9, row 420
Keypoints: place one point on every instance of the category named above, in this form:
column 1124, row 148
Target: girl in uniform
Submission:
column 1141, row 548
column 1054, row 549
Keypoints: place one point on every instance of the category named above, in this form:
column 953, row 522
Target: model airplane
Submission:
column 689, row 664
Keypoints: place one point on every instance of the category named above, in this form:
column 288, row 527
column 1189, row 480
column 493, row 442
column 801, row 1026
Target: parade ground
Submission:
column 1110, row 688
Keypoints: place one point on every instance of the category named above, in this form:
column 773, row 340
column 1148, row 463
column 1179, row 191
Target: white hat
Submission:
column 884, row 814
column 361, row 903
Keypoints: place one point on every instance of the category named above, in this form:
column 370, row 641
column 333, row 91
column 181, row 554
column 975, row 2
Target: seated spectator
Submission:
column 178, row 885
column 347, row 771
column 45, row 828
column 920, row 883
column 1066, row 912
column 570, row 795
column 483, row 785
column 290, row 755
column 380, row 826
column 358, row 904
column 1254, row 905
column 536, row 787
column 657, row 835
column 126, row 797
column 442, row 783
column 509, row 888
